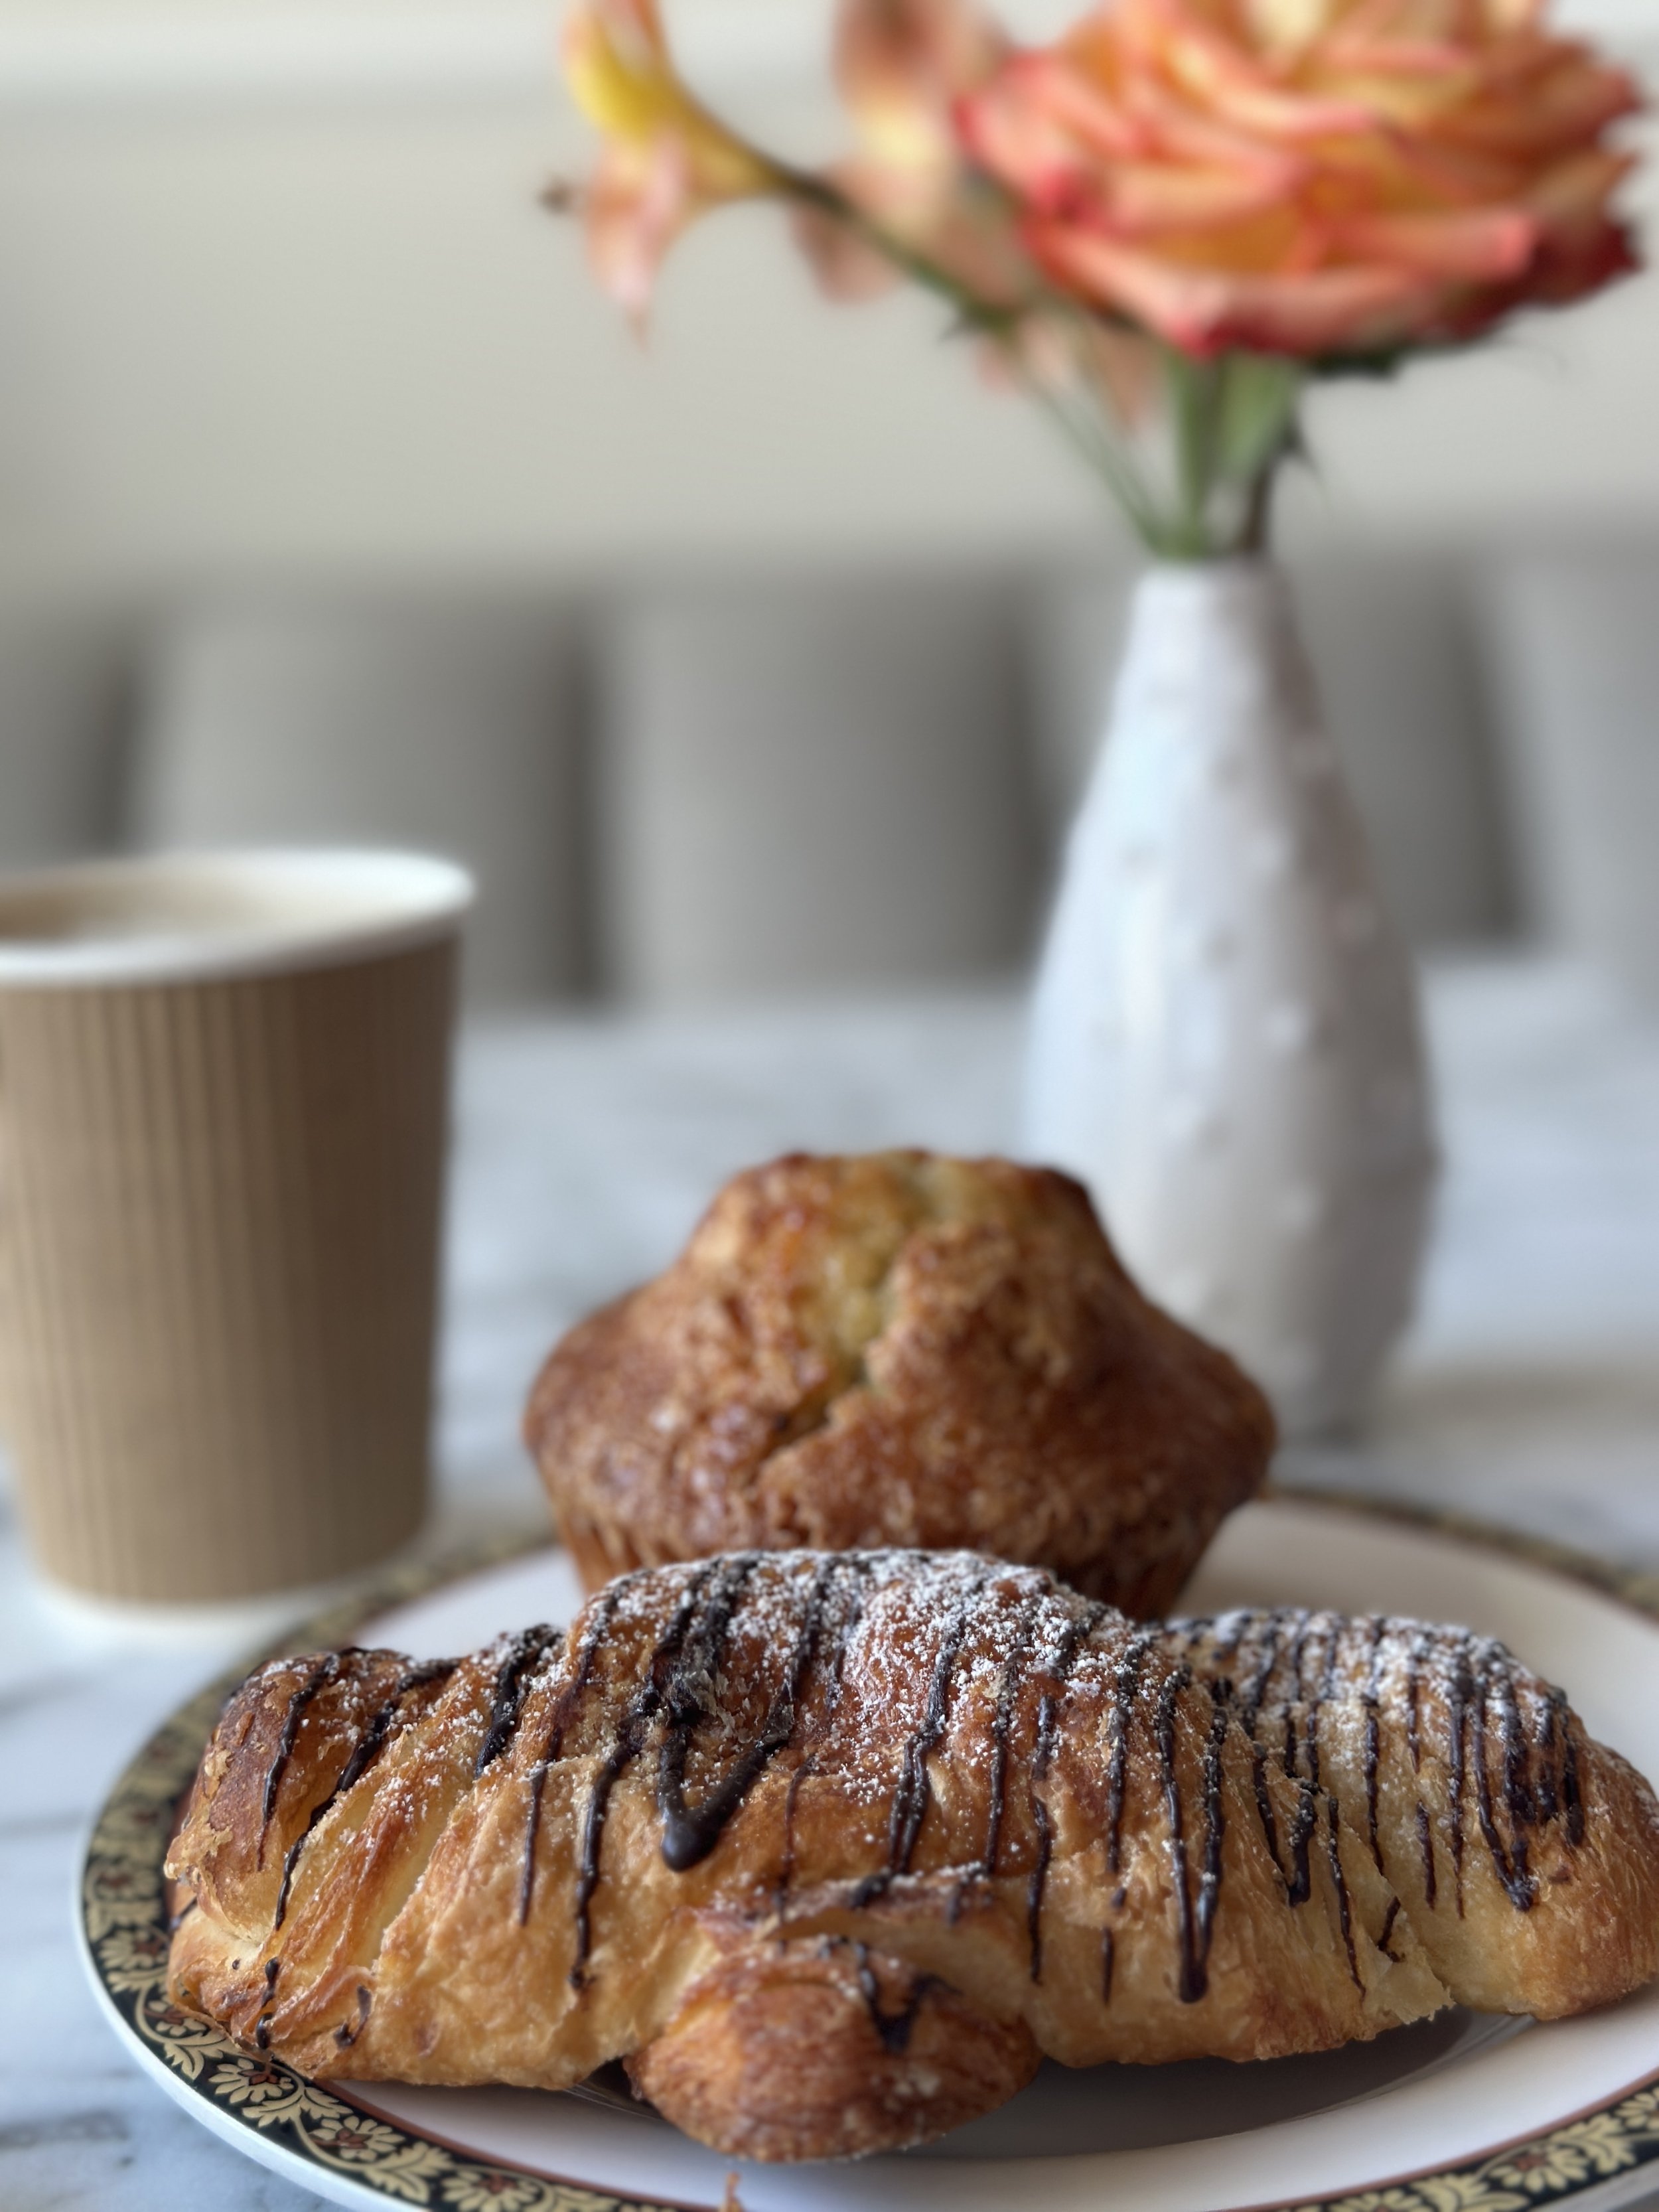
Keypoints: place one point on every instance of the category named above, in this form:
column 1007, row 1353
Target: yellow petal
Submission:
column 621, row 74
column 666, row 159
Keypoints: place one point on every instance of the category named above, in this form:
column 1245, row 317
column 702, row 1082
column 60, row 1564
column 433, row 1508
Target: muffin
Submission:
column 898, row 1349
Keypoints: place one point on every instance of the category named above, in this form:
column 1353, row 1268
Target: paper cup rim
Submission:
column 383, row 900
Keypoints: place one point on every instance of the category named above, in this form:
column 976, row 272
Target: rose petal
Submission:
column 1484, row 246
column 1310, row 176
column 1206, row 311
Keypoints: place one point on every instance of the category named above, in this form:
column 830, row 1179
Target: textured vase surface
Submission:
column 1225, row 1044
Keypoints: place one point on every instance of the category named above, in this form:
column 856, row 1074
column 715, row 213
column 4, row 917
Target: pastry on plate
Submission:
column 898, row 1348
column 831, row 1848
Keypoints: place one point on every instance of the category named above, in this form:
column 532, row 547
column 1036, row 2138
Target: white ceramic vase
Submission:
column 1225, row 1044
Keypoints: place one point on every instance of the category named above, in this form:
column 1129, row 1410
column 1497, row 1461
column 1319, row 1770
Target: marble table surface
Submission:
column 1528, row 1392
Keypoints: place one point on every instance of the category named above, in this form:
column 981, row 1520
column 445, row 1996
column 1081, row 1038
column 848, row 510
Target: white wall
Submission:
column 277, row 296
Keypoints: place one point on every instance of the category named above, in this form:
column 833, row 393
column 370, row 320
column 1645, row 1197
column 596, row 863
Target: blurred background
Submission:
column 335, row 502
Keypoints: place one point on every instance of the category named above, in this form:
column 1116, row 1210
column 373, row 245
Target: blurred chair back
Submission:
column 445, row 726
column 1392, row 638
column 62, row 697
column 814, row 784
column 1572, row 645
column 833, row 781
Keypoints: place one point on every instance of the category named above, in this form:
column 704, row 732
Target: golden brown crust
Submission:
column 898, row 1349
column 1482, row 1799
column 762, row 1792
column 822, row 2048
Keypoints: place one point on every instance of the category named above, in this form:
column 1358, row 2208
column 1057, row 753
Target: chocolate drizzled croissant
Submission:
column 830, row 1847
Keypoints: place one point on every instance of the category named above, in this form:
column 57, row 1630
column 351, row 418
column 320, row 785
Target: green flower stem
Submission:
column 1082, row 430
column 1232, row 419
column 1192, row 386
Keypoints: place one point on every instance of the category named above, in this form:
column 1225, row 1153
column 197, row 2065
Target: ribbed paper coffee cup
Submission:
column 223, row 1108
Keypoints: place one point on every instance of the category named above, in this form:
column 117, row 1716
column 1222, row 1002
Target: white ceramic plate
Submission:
column 1461, row 2114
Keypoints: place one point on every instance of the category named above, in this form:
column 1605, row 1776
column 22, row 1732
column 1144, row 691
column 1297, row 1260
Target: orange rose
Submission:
column 1310, row 177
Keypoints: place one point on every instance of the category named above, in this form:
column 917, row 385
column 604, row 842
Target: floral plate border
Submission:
column 124, row 1931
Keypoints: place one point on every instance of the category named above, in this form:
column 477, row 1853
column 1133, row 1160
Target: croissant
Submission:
column 831, row 1848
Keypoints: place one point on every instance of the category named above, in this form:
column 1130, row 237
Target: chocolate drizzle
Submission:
column 1298, row 1875
column 1195, row 1922
column 363, row 1753
column 893, row 2027
column 1388, row 1919
column 1209, row 1880
column 347, row 2031
column 1194, row 1915
column 1126, row 1683
column 322, row 1673
column 1038, row 1881
column 1321, row 1697
column 564, row 1712
column 1546, row 1800
column 1570, row 1798
column 1058, row 1664
column 691, row 1832
column 262, row 2026
column 1001, row 1722
column 798, row 1774
column 1339, row 1886
column 1521, row 1772
column 1459, row 1691
column 1373, row 1693
column 856, row 1573
column 1517, row 1781
column 914, row 1791
column 1418, row 1654
column 1510, row 1862
column 688, row 1646
column 1425, row 1845
column 1191, row 1989
column 1249, row 1710
column 512, row 1678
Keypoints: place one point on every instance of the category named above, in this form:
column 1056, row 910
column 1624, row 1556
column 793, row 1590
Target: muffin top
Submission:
column 898, row 1348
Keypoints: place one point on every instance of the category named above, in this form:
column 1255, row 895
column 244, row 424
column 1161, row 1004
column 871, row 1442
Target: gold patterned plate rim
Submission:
column 317, row 2137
